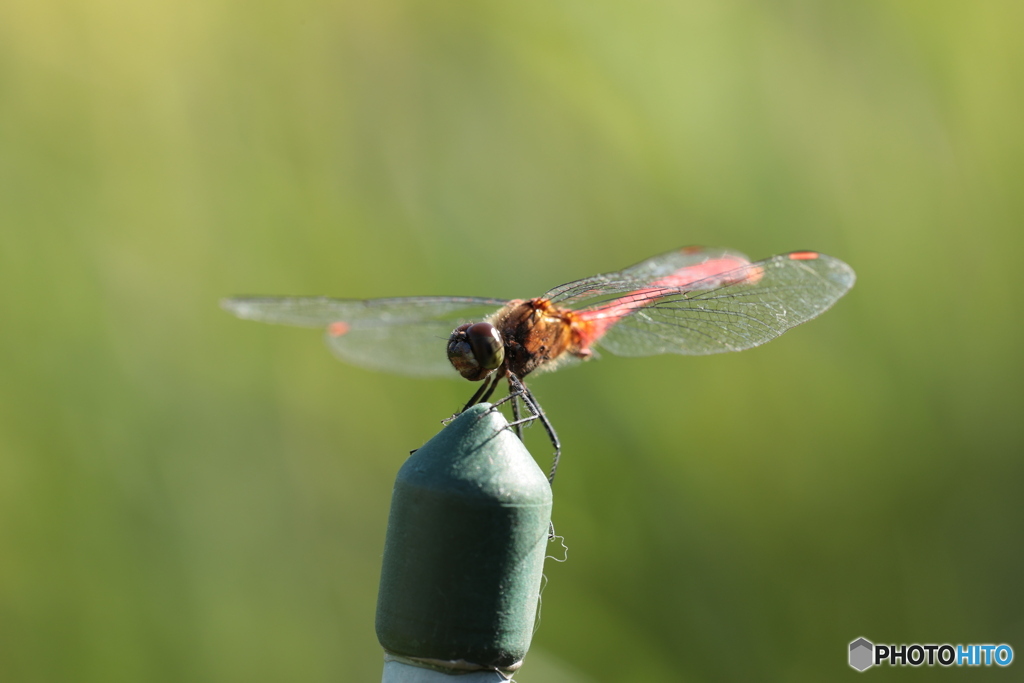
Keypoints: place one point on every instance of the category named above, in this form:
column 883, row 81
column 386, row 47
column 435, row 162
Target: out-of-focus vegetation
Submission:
column 188, row 497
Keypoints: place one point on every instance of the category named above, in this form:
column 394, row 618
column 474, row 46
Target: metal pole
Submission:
column 465, row 548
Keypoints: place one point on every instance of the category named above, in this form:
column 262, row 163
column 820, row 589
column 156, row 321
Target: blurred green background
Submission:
column 187, row 496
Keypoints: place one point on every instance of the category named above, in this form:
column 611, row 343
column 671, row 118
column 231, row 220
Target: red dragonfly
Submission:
column 691, row 301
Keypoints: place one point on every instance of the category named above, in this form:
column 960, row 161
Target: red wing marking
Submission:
column 803, row 255
column 338, row 329
column 594, row 323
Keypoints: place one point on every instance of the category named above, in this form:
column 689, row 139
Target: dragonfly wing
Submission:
column 689, row 264
column 728, row 311
column 405, row 336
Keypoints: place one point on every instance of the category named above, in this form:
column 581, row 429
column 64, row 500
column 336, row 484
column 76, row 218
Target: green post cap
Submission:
column 465, row 548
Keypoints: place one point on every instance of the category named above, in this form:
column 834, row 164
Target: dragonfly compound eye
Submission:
column 475, row 350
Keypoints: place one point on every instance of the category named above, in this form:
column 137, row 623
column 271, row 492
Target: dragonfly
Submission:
column 694, row 300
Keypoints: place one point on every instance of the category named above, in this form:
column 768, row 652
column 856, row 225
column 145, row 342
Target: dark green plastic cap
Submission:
column 465, row 547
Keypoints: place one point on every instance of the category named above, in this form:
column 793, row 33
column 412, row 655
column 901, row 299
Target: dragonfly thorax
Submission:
column 537, row 333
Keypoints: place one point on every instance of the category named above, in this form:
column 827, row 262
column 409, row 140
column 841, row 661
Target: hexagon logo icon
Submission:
column 861, row 654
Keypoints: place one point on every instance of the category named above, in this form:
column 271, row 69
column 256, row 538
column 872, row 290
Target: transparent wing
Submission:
column 686, row 265
column 405, row 336
column 729, row 310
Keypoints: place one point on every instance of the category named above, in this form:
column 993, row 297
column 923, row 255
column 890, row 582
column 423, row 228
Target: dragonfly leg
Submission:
column 513, row 394
column 517, row 420
column 516, row 416
column 484, row 392
column 519, row 388
column 519, row 423
column 490, row 390
column 503, row 401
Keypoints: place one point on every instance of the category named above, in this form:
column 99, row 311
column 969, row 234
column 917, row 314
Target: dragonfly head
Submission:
column 476, row 350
